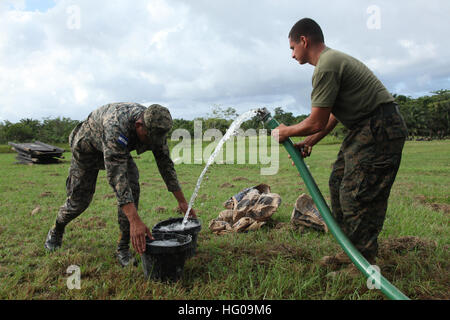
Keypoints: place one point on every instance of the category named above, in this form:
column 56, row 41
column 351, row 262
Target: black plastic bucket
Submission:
column 164, row 257
column 193, row 227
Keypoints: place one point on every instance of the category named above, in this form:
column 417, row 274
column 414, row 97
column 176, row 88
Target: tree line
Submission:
column 426, row 117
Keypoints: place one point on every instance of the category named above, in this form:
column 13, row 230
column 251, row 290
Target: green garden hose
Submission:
column 361, row 263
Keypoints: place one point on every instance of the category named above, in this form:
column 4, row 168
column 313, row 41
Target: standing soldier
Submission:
column 104, row 141
column 346, row 91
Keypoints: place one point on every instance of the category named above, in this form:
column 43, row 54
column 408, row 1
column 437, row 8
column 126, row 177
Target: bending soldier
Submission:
column 104, row 141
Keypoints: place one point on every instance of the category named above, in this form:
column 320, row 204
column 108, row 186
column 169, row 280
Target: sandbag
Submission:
column 306, row 214
column 261, row 188
column 246, row 204
column 226, row 215
column 246, row 211
column 216, row 225
column 265, row 207
column 242, row 224
column 256, row 225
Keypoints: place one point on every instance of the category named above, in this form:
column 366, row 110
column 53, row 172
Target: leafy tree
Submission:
column 427, row 116
column 286, row 118
column 217, row 123
column 19, row 132
column 222, row 113
column 57, row 130
column 183, row 124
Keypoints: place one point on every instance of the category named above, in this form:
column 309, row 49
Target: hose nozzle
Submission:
column 263, row 114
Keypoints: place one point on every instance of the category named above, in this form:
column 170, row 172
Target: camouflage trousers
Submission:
column 80, row 187
column 363, row 175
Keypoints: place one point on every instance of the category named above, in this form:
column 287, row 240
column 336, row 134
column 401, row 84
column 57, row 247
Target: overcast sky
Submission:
column 64, row 58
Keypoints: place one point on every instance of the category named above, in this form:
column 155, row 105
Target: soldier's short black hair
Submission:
column 309, row 28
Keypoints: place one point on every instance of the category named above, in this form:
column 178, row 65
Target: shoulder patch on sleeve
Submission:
column 122, row 140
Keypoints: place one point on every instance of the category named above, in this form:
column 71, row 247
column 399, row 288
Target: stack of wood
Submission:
column 37, row 153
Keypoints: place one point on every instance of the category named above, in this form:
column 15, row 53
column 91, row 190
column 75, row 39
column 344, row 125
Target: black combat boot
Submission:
column 123, row 253
column 54, row 239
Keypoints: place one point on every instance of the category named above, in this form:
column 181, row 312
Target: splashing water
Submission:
column 177, row 226
column 165, row 243
column 232, row 130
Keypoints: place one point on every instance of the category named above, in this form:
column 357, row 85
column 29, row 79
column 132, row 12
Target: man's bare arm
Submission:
column 316, row 122
column 306, row 145
column 315, row 138
column 138, row 230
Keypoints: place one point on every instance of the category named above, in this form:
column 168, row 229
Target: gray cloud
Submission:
column 192, row 55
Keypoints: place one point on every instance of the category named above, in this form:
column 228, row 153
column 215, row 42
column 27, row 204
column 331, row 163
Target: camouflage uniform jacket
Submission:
column 106, row 138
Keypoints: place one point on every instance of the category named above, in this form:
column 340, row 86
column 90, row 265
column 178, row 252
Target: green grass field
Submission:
column 275, row 262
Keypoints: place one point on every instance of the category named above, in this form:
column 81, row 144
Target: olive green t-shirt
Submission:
column 347, row 86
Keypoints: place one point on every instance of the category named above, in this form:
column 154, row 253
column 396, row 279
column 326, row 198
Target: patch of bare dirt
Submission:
column 227, row 185
column 404, row 244
column 421, row 198
column 204, row 197
column 240, row 179
column 109, row 196
column 396, row 263
column 440, row 207
column 160, row 209
column 46, row 194
column 433, row 205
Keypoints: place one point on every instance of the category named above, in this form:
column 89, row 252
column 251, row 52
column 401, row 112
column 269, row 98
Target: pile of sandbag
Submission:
column 305, row 214
column 246, row 211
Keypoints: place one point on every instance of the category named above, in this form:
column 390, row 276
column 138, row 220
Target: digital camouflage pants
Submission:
column 363, row 175
column 80, row 186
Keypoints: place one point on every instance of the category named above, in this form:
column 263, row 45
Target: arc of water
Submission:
column 232, row 130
